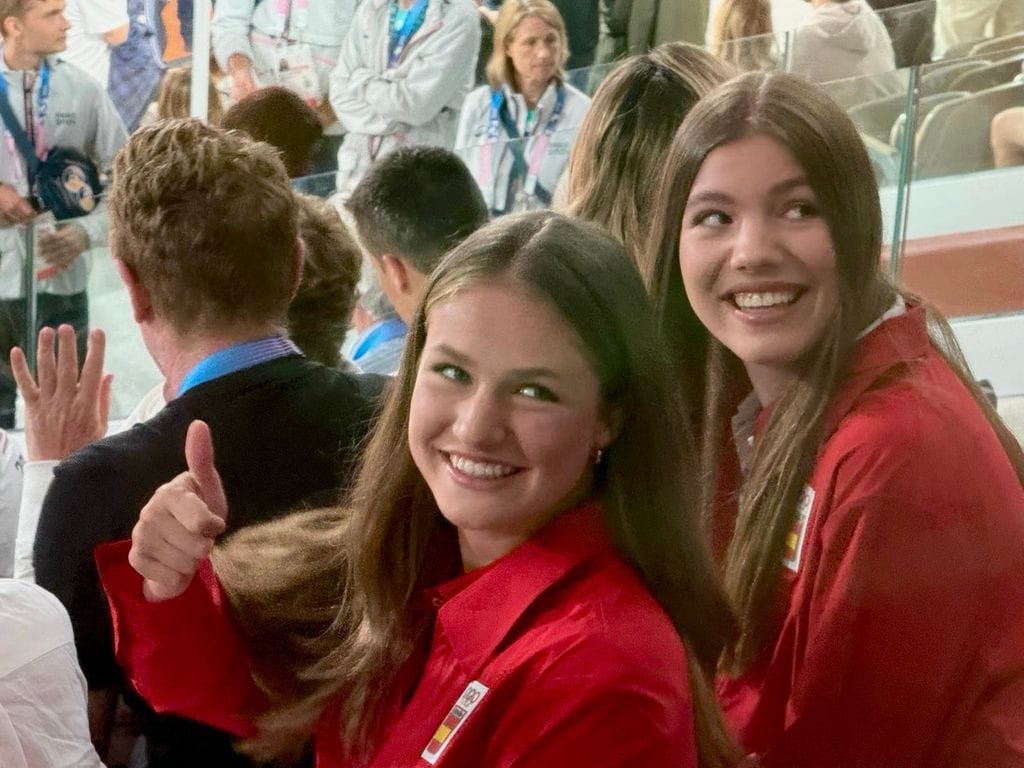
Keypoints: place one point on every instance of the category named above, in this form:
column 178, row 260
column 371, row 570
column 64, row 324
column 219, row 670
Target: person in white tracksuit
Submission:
column 402, row 75
column 516, row 132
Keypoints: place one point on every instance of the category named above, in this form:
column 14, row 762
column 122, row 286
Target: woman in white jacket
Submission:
column 404, row 70
column 516, row 132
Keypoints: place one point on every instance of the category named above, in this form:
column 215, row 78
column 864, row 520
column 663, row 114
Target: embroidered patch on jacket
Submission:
column 457, row 716
column 795, row 538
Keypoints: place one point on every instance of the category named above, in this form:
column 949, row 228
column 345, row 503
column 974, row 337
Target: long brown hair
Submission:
column 386, row 555
column 826, row 145
column 622, row 141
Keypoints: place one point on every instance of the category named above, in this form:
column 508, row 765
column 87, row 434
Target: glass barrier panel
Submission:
column 910, row 27
column 522, row 174
column 749, row 54
column 879, row 120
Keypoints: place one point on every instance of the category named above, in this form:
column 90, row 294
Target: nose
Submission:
column 755, row 245
column 480, row 420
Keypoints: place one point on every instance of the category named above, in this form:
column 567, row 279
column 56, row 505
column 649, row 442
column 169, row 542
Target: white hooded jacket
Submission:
column 417, row 101
column 841, row 40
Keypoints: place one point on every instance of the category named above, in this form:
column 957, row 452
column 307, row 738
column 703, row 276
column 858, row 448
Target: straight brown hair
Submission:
column 356, row 582
column 825, row 143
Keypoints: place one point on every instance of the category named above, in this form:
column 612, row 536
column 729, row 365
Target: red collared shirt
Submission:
column 554, row 655
column 903, row 637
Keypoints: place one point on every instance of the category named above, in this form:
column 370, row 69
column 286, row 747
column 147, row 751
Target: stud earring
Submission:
column 596, row 455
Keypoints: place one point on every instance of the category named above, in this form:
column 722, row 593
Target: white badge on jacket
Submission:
column 795, row 538
column 457, row 716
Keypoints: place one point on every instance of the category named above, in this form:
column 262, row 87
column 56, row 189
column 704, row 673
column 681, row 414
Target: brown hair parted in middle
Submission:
column 825, row 144
column 374, row 571
column 621, row 144
column 208, row 222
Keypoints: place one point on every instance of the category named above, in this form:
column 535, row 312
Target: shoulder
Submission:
column 607, row 626
column 462, row 11
column 34, row 623
column 479, row 99
column 68, row 74
column 922, row 442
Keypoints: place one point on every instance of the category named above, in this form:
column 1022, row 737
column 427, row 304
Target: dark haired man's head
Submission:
column 410, row 209
column 281, row 119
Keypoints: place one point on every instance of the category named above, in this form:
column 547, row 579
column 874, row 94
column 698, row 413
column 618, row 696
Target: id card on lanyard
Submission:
column 293, row 62
column 35, row 125
column 540, row 146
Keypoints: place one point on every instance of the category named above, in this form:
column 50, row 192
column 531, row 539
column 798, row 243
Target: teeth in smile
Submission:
column 766, row 299
column 479, row 468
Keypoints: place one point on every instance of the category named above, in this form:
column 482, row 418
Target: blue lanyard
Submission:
column 398, row 39
column 42, row 98
column 385, row 331
column 494, row 118
column 235, row 358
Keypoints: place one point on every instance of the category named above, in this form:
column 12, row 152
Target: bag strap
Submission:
column 18, row 133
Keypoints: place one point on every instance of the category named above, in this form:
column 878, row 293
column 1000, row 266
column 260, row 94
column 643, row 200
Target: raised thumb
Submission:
column 199, row 458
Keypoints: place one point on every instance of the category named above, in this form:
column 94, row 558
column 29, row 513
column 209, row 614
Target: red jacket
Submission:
column 903, row 637
column 554, row 655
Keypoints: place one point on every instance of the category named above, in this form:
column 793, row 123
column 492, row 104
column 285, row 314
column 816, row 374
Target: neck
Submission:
column 532, row 93
column 19, row 60
column 769, row 382
column 406, row 4
column 175, row 355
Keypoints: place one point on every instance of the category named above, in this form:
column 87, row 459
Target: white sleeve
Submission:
column 436, row 76
column 43, row 720
column 101, row 16
column 10, row 496
column 37, row 478
column 232, row 20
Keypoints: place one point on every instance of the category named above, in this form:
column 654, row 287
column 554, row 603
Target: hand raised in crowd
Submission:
column 64, row 411
column 14, row 209
column 61, row 247
column 489, row 13
column 242, row 81
column 179, row 525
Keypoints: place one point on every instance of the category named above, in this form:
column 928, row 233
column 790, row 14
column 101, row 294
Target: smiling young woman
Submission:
column 865, row 500
column 520, row 575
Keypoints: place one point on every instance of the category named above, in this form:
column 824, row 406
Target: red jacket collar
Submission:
column 478, row 609
column 897, row 341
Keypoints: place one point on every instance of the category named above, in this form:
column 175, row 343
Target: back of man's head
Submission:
column 207, row 222
column 416, row 204
column 283, row 120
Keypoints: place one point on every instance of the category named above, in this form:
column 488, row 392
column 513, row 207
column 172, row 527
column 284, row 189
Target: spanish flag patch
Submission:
column 457, row 715
column 795, row 538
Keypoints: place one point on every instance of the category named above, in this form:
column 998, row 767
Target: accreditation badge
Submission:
column 295, row 71
column 456, row 718
column 795, row 538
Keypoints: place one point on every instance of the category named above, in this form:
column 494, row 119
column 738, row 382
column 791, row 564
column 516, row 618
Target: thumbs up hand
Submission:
column 178, row 526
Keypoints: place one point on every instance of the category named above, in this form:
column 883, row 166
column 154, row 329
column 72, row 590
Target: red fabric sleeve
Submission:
column 184, row 656
column 919, row 580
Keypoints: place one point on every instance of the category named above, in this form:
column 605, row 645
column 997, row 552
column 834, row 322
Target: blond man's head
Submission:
column 207, row 222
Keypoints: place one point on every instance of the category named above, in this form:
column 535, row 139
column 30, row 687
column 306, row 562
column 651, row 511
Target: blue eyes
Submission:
column 458, row 375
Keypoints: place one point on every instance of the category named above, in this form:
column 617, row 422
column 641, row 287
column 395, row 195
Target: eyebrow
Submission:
column 713, row 196
column 515, row 373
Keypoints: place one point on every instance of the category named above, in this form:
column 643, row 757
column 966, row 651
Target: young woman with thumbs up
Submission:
column 518, row 578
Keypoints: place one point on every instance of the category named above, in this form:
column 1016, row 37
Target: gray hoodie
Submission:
column 840, row 40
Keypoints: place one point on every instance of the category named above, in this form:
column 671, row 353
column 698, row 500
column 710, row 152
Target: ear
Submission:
column 395, row 272
column 298, row 264
column 9, row 26
column 611, row 425
column 142, row 302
